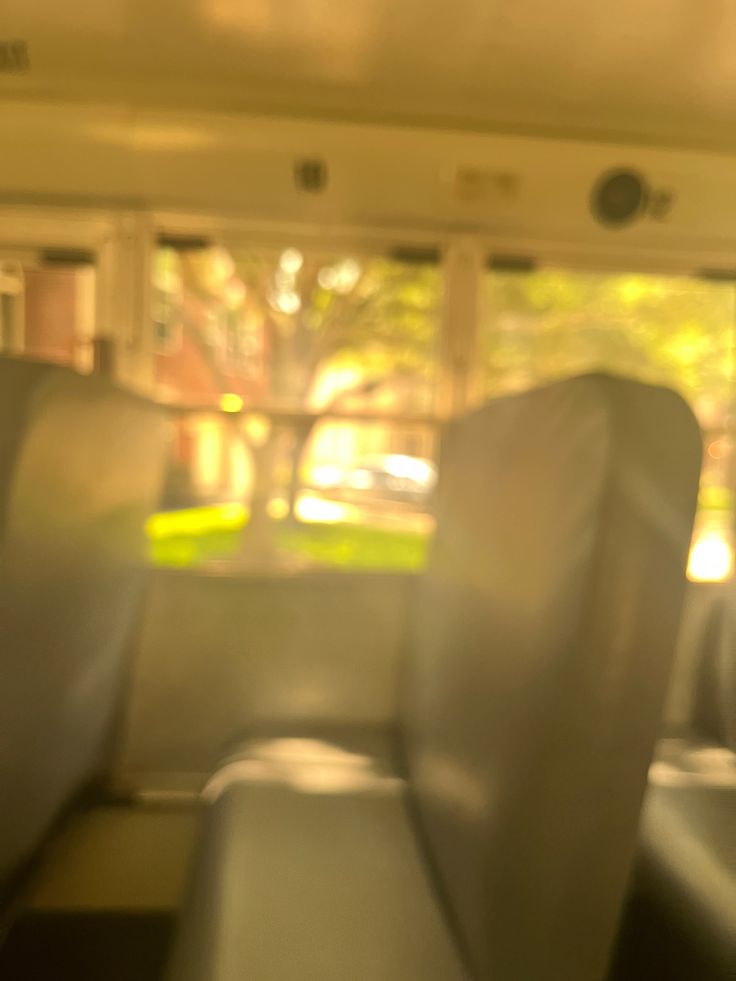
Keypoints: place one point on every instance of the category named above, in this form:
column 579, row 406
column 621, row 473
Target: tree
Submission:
column 339, row 333
column 668, row 330
column 676, row 331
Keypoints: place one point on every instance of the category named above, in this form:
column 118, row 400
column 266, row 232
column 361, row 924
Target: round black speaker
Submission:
column 618, row 197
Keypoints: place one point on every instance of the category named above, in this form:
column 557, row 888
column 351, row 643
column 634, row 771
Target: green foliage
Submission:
column 378, row 320
column 668, row 330
column 368, row 313
column 382, row 320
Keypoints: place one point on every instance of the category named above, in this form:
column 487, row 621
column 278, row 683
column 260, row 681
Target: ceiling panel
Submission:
column 657, row 71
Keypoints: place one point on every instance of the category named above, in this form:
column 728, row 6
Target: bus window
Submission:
column 303, row 389
column 670, row 330
column 11, row 306
column 47, row 310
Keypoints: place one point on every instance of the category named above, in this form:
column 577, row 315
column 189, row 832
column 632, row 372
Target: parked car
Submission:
column 394, row 477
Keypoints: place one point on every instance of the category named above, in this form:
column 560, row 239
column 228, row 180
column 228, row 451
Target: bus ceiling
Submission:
column 657, row 73
column 603, row 126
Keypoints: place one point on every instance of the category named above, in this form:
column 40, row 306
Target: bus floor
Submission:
column 87, row 946
column 104, row 901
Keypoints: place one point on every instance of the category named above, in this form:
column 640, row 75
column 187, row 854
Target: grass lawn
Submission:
column 356, row 546
column 191, row 543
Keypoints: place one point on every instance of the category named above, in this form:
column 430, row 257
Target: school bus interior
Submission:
column 367, row 473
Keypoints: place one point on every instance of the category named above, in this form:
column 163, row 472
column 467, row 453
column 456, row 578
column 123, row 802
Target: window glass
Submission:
column 322, row 369
column 677, row 331
column 294, row 329
column 11, row 306
column 47, row 311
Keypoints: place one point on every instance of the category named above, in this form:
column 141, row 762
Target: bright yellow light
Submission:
column 230, row 402
column 711, row 558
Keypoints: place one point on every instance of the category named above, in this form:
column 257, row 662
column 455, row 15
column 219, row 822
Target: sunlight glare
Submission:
column 230, row 402
column 711, row 558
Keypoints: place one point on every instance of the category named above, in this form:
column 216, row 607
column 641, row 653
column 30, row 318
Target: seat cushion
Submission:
column 309, row 869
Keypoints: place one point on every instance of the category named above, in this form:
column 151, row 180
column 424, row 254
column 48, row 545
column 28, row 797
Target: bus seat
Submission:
column 549, row 620
column 543, row 635
column 80, row 468
column 309, row 868
column 680, row 919
column 713, row 709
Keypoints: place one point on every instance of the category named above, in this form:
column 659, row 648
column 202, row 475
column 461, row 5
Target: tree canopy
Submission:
column 325, row 330
column 378, row 320
column 668, row 330
column 370, row 319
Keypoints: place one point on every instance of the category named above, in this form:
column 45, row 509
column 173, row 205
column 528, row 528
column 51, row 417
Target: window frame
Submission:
column 696, row 268
column 464, row 256
column 402, row 244
column 122, row 240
